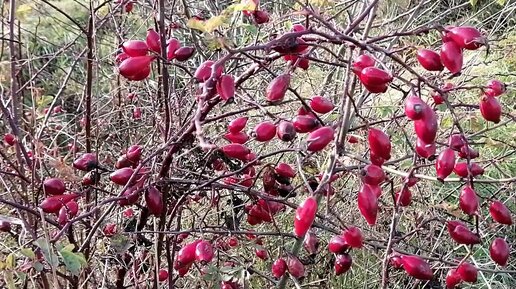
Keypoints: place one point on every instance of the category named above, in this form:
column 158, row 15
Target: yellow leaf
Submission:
column 9, row 262
column 22, row 11
column 245, row 5
column 197, row 24
column 214, row 23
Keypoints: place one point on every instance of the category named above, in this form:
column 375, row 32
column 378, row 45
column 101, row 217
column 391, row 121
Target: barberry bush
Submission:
column 256, row 144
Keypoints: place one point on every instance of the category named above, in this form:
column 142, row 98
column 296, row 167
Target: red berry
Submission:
column 5, row 226
column 461, row 169
column 499, row 251
column 468, row 200
column 136, row 68
column 134, row 153
column 467, row 37
column 372, row 175
column 494, row 88
column 415, row 107
column 279, row 267
column 237, row 124
column 260, row 17
column 467, row 272
column 277, row 88
column 425, row 150
column 305, row 123
column 321, row 105
column 204, row 252
column 54, row 186
column 226, row 87
column 372, row 76
column 236, row 151
column 262, row 254
column 353, row 236
column 404, row 197
column 416, row 267
column 154, row 201
column 305, row 215
column 162, row 275
column 490, row 108
column 452, row 279
column 285, row 170
column 429, row 59
column 311, row 242
column 53, row 204
column 295, row 267
column 362, row 62
column 286, row 131
column 451, row 57
column 500, row 213
column 153, row 40
column 461, row 234
column 368, row 204
column 203, row 72
column 338, row 244
column 319, row 138
column 342, row 264
column 264, row 131
column 86, row 162
column 172, row 46
column 426, row 128
column 379, row 143
column 186, row 255
column 239, row 137
column 121, row 176
column 130, row 195
column 445, row 163
column 135, row 48
column 184, row 53
column 455, row 142
column 10, row 139
column 109, row 230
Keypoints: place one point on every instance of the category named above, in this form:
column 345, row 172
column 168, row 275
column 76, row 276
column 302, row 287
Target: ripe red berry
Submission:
column 373, row 76
column 186, row 255
column 285, row 170
column 239, row 137
column 372, row 175
column 53, row 204
column 353, row 236
column 154, row 201
column 467, row 37
column 426, row 128
column 10, row 139
column 121, row 176
column 184, row 53
column 305, row 123
column 172, row 46
column 500, row 213
column 455, row 142
column 490, row 108
column 236, row 151
column 468, row 200
column 416, row 267
column 368, row 204
column 452, row 279
column 277, row 88
column 131, row 196
column 362, row 62
column 425, row 150
column 311, row 242
column 261, row 253
column 319, row 138
column 153, row 40
column 305, row 215
column 445, row 163
column 279, row 267
column 499, row 251
column 451, row 57
column 260, row 17
column 321, row 104
column 54, row 186
column 342, row 263
column 286, row 131
column 461, row 169
column 338, row 244
column 264, row 131
column 5, row 226
column 135, row 48
column 226, row 87
column 415, row 107
column 204, row 252
column 86, row 162
column 429, row 59
column 404, row 197
column 136, row 68
column 109, row 230
column 379, row 143
column 295, row 267
column 494, row 88
column 162, row 275
column 237, row 124
column 203, row 72
column 467, row 272
column 461, row 234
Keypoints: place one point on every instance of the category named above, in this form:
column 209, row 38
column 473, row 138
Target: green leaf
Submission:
column 10, row 261
column 44, row 101
column 501, row 2
column 38, row 266
column 74, row 262
column 9, row 280
column 50, row 257
column 27, row 252
column 120, row 243
column 473, row 3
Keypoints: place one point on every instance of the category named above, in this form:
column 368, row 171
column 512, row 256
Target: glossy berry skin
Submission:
column 136, row 68
column 425, row 150
column 277, row 88
column 372, row 76
column 429, row 59
column 305, row 123
column 467, row 151
column 285, row 170
column 368, row 204
column 379, row 143
column 86, row 162
column 203, row 72
column 461, row 169
column 53, row 204
column 455, row 142
column 186, row 255
column 415, row 107
column 54, row 186
column 468, row 201
column 279, row 267
column 426, row 127
column 134, row 153
column 319, row 138
column 10, row 139
column 262, row 254
column 153, row 40
column 452, row 279
column 362, row 62
column 353, row 236
column 237, row 125
column 500, row 213
column 295, row 267
column 461, row 234
column 239, row 137
column 416, row 267
column 135, row 48
column 499, row 251
column 490, row 109
column 372, row 175
column 467, row 272
column 172, row 46
column 204, row 252
column 236, row 151
column 445, row 163
column 451, row 57
column 305, row 216
column 321, row 104
column 286, row 131
column 342, row 264
column 121, row 176
column 264, row 131
column 154, row 201
column 226, row 87
column 467, row 37
column 404, row 197
column 184, row 53
column 338, row 244
column 494, row 88
column 162, row 275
